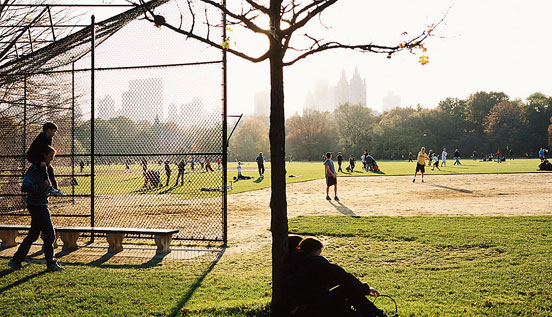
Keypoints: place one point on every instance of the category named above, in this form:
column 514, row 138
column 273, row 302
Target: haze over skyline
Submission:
column 493, row 45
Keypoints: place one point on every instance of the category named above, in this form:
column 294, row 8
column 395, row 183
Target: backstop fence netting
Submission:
column 140, row 119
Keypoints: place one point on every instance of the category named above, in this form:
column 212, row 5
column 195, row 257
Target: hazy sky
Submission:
column 484, row 45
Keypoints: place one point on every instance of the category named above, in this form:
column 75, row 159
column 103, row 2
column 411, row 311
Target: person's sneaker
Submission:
column 422, row 180
column 414, row 180
column 15, row 265
column 336, row 199
column 328, row 198
column 54, row 268
column 55, row 192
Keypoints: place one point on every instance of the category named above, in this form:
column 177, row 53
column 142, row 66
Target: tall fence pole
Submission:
column 224, row 135
column 24, row 141
column 92, row 118
column 73, row 132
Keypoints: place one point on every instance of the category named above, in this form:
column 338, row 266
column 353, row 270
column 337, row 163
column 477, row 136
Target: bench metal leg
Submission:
column 115, row 241
column 69, row 241
column 163, row 242
column 8, row 238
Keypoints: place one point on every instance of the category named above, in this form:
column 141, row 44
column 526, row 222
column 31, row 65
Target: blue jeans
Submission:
column 457, row 161
column 40, row 222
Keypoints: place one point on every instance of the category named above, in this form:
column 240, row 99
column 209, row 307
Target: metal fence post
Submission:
column 92, row 118
column 224, row 135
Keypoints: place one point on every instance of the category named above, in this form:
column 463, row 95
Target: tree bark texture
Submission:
column 278, row 202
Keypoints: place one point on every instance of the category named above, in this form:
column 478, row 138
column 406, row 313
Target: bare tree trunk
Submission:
column 278, row 203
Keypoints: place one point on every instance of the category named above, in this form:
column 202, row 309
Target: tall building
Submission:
column 106, row 108
column 390, row 101
column 325, row 98
column 143, row 100
column 261, row 103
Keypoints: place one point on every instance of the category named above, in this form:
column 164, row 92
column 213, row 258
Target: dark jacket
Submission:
column 260, row 160
column 38, row 147
column 33, row 185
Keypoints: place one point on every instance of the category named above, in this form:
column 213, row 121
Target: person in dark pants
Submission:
column 37, row 204
column 316, row 287
column 35, row 156
column 208, row 165
column 339, row 161
column 181, row 168
column 168, row 172
column 260, row 164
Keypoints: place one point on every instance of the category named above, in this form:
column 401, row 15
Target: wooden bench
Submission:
column 70, row 235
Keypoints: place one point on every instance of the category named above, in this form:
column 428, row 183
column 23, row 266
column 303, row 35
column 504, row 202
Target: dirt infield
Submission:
column 440, row 195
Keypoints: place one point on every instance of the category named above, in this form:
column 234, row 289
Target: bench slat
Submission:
column 117, row 230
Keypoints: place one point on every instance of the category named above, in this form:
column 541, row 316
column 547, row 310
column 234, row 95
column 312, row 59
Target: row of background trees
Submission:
column 485, row 121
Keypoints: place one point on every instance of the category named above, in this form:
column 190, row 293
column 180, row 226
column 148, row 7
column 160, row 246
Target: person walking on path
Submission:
column 37, row 204
column 181, row 168
column 331, row 176
column 168, row 172
column 35, row 156
column 444, row 157
column 260, row 164
column 456, row 157
column 420, row 164
column 339, row 162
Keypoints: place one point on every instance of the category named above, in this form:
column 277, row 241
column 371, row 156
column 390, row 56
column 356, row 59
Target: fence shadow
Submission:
column 176, row 311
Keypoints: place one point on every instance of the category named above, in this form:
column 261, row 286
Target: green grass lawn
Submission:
column 432, row 266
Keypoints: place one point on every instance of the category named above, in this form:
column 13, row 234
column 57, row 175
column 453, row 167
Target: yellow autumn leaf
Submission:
column 423, row 60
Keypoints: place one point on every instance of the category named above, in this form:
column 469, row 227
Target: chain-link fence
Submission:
column 153, row 157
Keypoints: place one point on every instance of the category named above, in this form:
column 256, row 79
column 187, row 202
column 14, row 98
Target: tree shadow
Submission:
column 342, row 208
column 176, row 311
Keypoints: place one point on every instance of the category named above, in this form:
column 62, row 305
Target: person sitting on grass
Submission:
column 240, row 176
column 316, row 287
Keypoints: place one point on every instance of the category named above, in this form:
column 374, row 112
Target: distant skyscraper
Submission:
column 325, row 98
column 106, row 108
column 143, row 100
column 261, row 103
column 390, row 101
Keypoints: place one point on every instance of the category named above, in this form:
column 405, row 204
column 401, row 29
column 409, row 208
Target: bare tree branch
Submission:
column 320, row 5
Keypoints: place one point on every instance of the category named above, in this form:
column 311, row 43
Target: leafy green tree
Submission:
column 506, row 125
column 478, row 106
column 250, row 139
column 355, row 128
column 310, row 135
column 538, row 110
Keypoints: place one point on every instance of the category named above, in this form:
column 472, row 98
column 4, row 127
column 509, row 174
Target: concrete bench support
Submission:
column 115, row 241
column 163, row 242
column 69, row 240
column 8, row 238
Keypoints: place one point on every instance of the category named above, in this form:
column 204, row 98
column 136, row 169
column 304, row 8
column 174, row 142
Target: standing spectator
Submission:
column 444, row 157
column 370, row 162
column 363, row 159
column 499, row 156
column 260, row 164
column 168, row 172
column 420, row 164
column 37, row 204
column 474, row 155
column 239, row 167
column 208, row 165
column 351, row 166
column 35, row 155
column 511, row 154
column 81, row 165
column 456, row 157
column 541, row 154
column 202, row 162
column 410, row 158
column 331, row 176
column 435, row 160
column 192, row 164
column 339, row 162
column 218, row 163
column 181, row 169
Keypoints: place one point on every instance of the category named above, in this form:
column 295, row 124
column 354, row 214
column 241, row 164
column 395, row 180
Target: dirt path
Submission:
column 440, row 195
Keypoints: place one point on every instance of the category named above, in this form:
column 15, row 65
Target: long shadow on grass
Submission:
column 19, row 282
column 177, row 310
column 452, row 188
column 342, row 208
